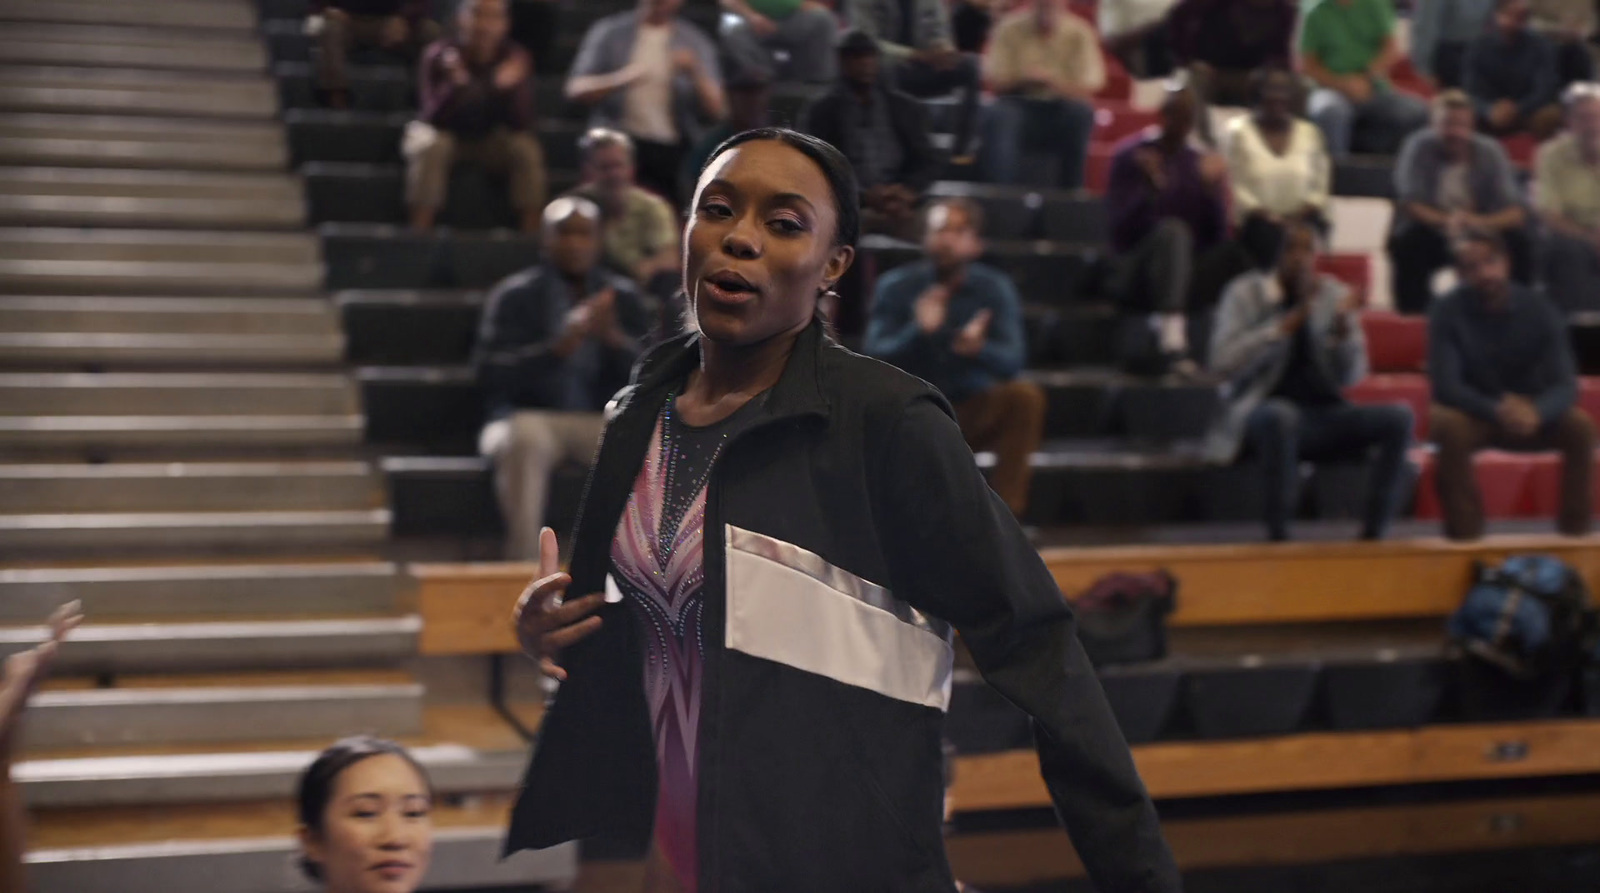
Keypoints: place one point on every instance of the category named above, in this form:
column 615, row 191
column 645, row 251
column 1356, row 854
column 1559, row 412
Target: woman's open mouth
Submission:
column 728, row 287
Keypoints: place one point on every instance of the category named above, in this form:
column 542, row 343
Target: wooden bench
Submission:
column 466, row 608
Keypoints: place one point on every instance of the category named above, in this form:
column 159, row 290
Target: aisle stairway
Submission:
column 182, row 449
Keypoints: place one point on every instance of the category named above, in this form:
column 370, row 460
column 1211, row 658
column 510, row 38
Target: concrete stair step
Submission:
column 189, row 487
column 168, row 350
column 97, row 197
column 45, row 260
column 310, row 317
column 466, row 855
column 170, row 246
column 177, row 710
column 192, row 531
column 110, row 46
column 176, row 394
column 253, row 590
column 104, row 332
column 157, row 277
column 190, row 778
column 227, row 645
column 236, row 15
column 140, row 433
column 147, row 143
column 134, row 91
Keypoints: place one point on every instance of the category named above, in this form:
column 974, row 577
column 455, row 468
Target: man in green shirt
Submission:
column 1347, row 48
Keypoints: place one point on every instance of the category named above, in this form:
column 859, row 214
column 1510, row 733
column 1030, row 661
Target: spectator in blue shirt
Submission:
column 1510, row 73
column 556, row 342
column 1440, row 32
column 1503, row 376
column 957, row 324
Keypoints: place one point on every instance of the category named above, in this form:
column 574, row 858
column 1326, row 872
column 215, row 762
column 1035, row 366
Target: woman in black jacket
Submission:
column 778, row 537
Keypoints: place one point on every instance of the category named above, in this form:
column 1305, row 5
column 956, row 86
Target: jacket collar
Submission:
column 799, row 390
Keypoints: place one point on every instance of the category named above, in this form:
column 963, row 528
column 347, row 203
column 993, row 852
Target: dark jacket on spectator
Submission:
column 1232, row 35
column 895, row 336
column 1422, row 159
column 828, row 119
column 848, row 535
column 1477, row 355
column 477, row 107
column 1522, row 69
column 410, row 9
column 1135, row 206
column 524, row 318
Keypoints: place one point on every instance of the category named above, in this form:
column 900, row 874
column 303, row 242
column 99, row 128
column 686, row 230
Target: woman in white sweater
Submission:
column 1278, row 167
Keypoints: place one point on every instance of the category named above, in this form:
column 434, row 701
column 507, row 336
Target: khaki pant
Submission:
column 430, row 153
column 341, row 35
column 1459, row 435
column 1009, row 420
column 526, row 448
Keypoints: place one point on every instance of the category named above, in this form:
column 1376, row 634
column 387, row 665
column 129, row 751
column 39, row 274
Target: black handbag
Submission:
column 1122, row 617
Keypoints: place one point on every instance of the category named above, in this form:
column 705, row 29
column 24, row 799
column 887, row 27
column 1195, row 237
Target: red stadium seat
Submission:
column 1405, row 76
column 1589, row 396
column 1119, row 86
column 1503, row 479
column 1115, row 120
column 1520, row 148
column 1097, row 173
column 1395, row 343
column 1410, row 389
column 1543, row 494
column 1354, row 270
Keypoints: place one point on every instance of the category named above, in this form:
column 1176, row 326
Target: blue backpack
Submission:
column 1530, row 616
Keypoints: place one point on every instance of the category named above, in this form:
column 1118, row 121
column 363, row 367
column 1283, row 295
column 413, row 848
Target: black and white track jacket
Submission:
column 847, row 532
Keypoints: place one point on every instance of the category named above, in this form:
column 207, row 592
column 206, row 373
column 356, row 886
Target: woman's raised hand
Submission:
column 546, row 623
column 25, row 669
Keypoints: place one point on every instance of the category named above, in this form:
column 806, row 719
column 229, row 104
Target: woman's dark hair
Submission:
column 1263, row 76
column 835, row 167
column 317, row 782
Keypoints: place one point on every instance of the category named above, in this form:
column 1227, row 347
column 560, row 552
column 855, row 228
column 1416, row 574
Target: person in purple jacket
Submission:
column 1167, row 203
column 475, row 96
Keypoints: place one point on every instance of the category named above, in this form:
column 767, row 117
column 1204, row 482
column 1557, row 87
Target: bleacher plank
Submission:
column 467, row 607
column 1316, row 582
column 1313, row 761
column 1302, row 837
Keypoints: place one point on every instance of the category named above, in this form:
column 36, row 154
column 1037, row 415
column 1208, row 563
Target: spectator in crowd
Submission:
column 804, row 29
column 1440, row 32
column 23, row 673
column 1570, row 25
column 1278, row 167
column 1224, row 42
column 556, row 341
column 1449, row 179
column 970, row 21
column 399, row 27
column 655, row 77
column 476, row 105
column 914, row 36
column 535, row 24
column 884, row 133
column 365, row 802
column 957, row 324
column 1043, row 64
column 1135, row 31
column 749, row 92
column 1502, row 376
column 1167, row 203
column 1566, row 192
column 1288, row 341
column 639, row 230
column 1347, row 48
column 1511, row 75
